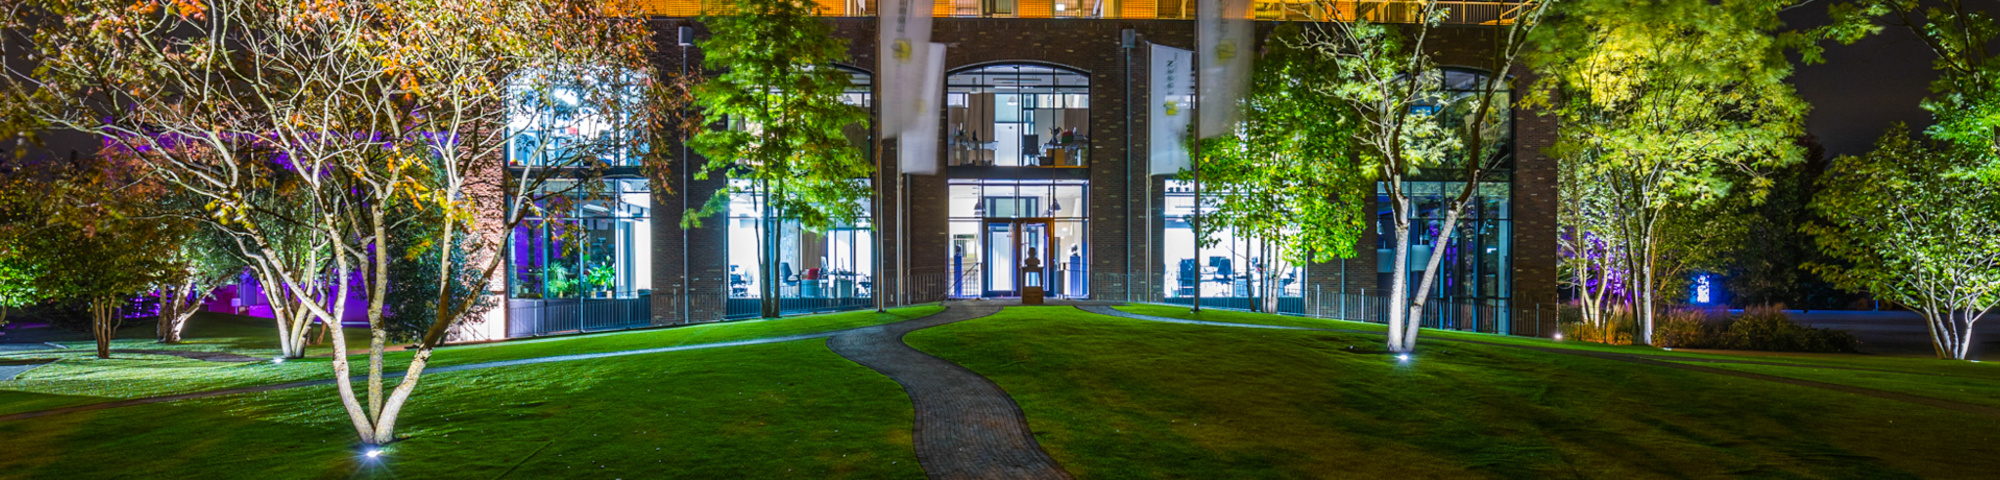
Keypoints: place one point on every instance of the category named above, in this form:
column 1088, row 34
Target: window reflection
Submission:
column 574, row 119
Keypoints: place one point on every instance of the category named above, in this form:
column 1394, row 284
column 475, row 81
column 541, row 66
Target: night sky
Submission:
column 1864, row 87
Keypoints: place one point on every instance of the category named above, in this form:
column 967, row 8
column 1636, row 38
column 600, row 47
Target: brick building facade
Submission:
column 1124, row 257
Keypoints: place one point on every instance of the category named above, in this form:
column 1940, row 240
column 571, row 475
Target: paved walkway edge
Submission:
column 966, row 426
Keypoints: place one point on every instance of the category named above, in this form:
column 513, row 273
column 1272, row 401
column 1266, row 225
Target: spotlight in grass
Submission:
column 1403, row 357
column 1559, row 336
column 277, row 360
column 373, row 453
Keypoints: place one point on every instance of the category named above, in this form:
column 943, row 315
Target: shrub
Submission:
column 1686, row 328
column 1765, row 328
column 1619, row 329
column 1769, row 328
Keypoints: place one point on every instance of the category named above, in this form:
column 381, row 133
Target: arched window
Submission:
column 858, row 92
column 1018, row 115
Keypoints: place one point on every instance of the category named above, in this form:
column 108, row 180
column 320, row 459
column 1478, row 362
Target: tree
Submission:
column 1769, row 265
column 1589, row 254
column 80, row 231
column 1411, row 125
column 237, row 105
column 1288, row 173
column 467, row 71
column 205, row 262
column 1915, row 233
column 1966, row 100
column 296, row 123
column 778, row 96
column 1659, row 102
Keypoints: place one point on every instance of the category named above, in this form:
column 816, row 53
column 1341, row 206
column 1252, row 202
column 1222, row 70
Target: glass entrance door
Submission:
column 1017, row 255
column 1033, row 250
column 999, row 271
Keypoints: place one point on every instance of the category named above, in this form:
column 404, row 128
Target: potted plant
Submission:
column 560, row 284
column 599, row 278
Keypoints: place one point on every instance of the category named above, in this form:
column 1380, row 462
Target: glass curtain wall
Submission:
column 582, row 258
column 1473, row 290
column 1470, row 12
column 585, row 241
column 1018, row 116
column 818, row 271
column 570, row 119
column 1233, row 273
column 1474, row 286
column 1009, row 234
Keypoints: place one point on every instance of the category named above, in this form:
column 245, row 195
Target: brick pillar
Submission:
column 1534, row 202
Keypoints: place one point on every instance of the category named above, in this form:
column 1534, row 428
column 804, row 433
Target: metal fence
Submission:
column 1330, row 301
column 528, row 317
column 751, row 307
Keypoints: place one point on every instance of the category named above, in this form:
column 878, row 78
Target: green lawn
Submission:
column 1108, row 397
column 783, row 410
column 1120, row 398
column 81, row 378
column 1977, row 383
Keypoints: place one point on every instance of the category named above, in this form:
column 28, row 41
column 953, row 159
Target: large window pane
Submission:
column 1018, row 116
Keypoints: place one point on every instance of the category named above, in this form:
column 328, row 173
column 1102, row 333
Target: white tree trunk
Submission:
column 1399, row 276
column 1431, row 269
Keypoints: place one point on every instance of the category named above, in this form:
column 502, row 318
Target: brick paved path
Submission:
column 966, row 426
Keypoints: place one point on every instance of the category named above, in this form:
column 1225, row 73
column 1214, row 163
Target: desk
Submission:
column 1065, row 154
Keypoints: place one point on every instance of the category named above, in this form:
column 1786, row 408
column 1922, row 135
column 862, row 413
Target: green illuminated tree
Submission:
column 1915, row 233
column 1671, row 106
column 1411, row 125
column 85, row 231
column 1966, row 96
column 777, row 97
column 1289, row 176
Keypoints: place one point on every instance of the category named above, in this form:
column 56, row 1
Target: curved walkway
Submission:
column 966, row 426
column 1654, row 360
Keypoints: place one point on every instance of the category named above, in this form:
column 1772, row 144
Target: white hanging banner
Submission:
column 905, row 31
column 917, row 144
column 1226, row 47
column 1170, row 91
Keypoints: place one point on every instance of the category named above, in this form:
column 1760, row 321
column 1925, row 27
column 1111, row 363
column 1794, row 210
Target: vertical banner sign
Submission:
column 1169, row 94
column 1225, row 48
column 918, row 142
column 905, row 33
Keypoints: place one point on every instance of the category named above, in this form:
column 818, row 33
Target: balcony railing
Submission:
column 1463, row 12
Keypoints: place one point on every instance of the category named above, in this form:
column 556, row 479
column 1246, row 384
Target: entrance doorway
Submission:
column 995, row 222
column 1017, row 249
